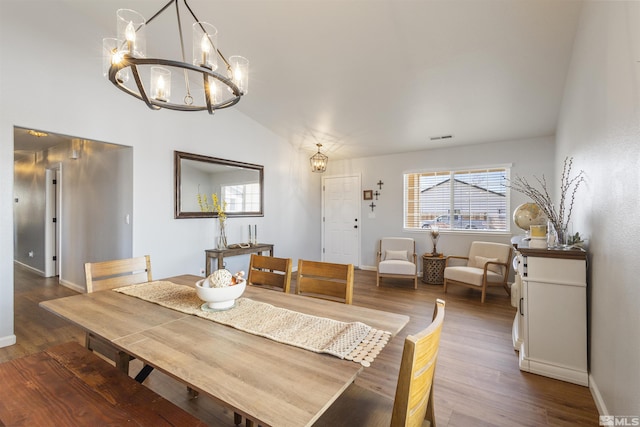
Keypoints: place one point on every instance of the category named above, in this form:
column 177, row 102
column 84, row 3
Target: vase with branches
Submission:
column 220, row 209
column 559, row 216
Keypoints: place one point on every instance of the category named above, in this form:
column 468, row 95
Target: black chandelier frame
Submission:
column 131, row 62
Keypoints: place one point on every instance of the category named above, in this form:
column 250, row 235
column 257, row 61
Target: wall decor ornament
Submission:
column 367, row 194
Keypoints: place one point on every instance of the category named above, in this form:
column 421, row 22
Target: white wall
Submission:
column 527, row 158
column 96, row 198
column 69, row 96
column 29, row 212
column 600, row 127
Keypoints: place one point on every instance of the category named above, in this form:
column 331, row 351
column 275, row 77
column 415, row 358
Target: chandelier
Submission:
column 206, row 86
column 319, row 161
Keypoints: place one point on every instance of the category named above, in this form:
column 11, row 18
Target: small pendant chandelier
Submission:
column 319, row 161
column 125, row 64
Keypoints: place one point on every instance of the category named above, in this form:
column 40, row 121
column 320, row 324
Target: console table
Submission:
column 220, row 254
column 551, row 322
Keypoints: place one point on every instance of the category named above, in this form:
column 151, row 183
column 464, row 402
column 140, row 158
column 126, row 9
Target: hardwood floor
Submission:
column 477, row 380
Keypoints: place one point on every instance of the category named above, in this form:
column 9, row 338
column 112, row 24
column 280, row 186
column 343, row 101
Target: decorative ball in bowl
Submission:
column 220, row 298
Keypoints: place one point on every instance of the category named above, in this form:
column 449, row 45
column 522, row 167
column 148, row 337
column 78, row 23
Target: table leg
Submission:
column 144, row 373
column 207, row 264
column 220, row 261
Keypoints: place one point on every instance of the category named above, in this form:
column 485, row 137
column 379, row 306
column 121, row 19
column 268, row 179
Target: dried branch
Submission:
column 561, row 217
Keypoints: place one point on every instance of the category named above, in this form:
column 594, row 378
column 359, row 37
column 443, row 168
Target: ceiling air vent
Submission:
column 441, row 137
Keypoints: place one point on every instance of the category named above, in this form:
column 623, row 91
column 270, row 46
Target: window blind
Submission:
column 457, row 200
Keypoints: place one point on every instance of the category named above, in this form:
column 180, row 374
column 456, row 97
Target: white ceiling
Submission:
column 373, row 77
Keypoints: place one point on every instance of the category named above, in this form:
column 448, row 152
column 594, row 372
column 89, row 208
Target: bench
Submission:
column 67, row 385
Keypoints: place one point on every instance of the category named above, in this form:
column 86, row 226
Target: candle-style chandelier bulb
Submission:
column 205, row 40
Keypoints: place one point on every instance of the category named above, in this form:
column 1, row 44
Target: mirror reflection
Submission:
column 237, row 184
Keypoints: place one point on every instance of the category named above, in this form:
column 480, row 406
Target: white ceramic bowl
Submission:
column 220, row 298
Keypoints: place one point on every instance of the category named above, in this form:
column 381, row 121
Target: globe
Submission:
column 528, row 214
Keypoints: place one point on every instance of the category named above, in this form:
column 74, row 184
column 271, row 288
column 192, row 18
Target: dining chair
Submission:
column 325, row 280
column 397, row 258
column 270, row 272
column 413, row 403
column 318, row 279
column 107, row 275
column 487, row 264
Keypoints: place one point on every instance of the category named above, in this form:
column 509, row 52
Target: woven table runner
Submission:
column 352, row 341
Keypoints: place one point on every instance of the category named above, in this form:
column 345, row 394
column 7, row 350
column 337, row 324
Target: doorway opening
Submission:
column 73, row 204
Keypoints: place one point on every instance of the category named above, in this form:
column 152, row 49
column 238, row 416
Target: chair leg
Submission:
column 377, row 280
column 415, row 282
column 431, row 414
column 445, row 286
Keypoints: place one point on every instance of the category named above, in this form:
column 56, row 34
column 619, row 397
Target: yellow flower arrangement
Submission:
column 220, row 209
column 205, row 206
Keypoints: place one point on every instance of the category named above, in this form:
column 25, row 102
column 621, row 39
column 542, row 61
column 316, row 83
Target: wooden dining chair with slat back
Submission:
column 325, row 280
column 107, row 275
column 413, row 403
column 270, row 272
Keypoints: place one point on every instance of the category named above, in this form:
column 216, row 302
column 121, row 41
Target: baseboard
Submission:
column 597, row 397
column 7, row 341
column 28, row 267
column 73, row 286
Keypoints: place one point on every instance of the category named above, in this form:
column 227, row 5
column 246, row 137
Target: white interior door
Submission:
column 341, row 219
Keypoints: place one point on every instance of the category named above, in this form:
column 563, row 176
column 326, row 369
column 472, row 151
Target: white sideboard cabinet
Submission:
column 552, row 315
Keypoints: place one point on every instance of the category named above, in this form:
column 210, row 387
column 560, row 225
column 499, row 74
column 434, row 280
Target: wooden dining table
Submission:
column 270, row 383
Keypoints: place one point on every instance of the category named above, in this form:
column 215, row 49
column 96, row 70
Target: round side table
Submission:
column 433, row 269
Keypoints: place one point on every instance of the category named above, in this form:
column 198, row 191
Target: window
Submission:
column 457, row 200
column 242, row 197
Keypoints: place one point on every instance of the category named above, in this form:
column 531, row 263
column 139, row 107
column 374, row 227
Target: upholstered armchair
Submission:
column 486, row 265
column 397, row 258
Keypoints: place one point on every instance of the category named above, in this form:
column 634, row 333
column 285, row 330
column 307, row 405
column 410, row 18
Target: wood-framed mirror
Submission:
column 238, row 184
